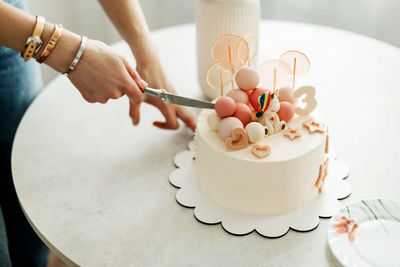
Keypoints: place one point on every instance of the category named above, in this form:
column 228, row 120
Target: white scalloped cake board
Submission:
column 304, row 219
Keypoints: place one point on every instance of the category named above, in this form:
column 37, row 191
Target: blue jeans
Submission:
column 20, row 83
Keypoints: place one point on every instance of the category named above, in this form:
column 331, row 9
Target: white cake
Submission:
column 262, row 151
column 279, row 183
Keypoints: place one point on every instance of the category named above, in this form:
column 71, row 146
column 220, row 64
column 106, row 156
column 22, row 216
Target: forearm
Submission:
column 128, row 18
column 16, row 26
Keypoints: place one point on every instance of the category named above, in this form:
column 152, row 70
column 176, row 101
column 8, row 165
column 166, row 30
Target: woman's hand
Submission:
column 102, row 74
column 150, row 70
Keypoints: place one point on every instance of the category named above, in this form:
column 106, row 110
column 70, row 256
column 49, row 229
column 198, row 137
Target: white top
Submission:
column 96, row 188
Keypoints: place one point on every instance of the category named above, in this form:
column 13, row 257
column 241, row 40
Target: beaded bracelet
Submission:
column 78, row 55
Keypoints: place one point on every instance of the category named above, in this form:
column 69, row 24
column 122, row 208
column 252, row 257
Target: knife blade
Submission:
column 178, row 100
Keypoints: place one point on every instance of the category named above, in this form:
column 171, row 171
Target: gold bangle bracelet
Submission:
column 58, row 29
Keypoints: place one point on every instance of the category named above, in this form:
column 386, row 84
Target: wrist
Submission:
column 143, row 49
column 45, row 37
column 64, row 52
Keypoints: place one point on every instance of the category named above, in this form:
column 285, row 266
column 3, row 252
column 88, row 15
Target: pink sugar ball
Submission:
column 239, row 96
column 286, row 94
column 247, row 78
column 225, row 106
column 226, row 125
column 286, row 111
column 254, row 96
column 243, row 113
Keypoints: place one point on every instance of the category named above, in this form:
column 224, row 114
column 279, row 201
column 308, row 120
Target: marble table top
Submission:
column 96, row 189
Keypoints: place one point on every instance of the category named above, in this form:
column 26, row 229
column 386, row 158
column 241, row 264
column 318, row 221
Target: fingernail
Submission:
column 143, row 84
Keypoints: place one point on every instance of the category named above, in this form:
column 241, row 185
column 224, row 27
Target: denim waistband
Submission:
column 21, row 4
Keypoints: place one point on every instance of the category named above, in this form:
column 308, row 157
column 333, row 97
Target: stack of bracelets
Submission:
column 34, row 42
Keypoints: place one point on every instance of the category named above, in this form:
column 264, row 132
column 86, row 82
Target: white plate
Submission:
column 367, row 233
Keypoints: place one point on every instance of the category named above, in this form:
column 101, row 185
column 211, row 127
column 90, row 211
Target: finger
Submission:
column 186, row 117
column 135, row 75
column 134, row 112
column 132, row 90
column 88, row 98
column 168, row 112
column 165, row 125
column 116, row 94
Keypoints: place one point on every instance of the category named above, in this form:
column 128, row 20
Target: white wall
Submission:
column 375, row 18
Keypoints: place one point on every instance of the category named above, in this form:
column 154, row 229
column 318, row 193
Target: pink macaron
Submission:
column 239, row 96
column 243, row 113
column 247, row 78
column 286, row 94
column 225, row 106
column 286, row 111
column 226, row 125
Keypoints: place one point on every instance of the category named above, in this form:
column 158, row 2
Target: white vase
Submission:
column 215, row 18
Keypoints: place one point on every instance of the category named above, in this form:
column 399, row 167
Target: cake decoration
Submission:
column 230, row 48
column 219, row 75
column 239, row 96
column 286, row 94
column 274, row 74
column 298, row 62
column 292, row 133
column 265, row 95
column 270, row 118
column 247, row 78
column 261, row 151
column 213, row 120
column 327, row 141
column 243, row 113
column 314, row 127
column 307, row 96
column 323, row 171
column 225, row 106
column 252, row 43
column 255, row 131
column 238, row 140
column 255, row 96
column 226, row 126
column 286, row 111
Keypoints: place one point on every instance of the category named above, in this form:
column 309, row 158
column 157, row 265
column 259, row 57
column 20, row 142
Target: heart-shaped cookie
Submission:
column 239, row 139
column 261, row 151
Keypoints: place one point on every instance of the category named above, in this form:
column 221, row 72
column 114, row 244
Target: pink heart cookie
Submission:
column 261, row 151
column 239, row 139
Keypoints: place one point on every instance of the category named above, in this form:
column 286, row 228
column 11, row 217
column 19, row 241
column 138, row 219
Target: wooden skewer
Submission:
column 230, row 61
column 222, row 83
column 274, row 79
column 230, row 54
column 294, row 71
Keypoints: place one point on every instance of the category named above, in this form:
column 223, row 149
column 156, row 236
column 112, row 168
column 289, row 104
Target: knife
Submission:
column 178, row 100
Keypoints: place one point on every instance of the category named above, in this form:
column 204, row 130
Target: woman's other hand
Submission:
column 150, row 70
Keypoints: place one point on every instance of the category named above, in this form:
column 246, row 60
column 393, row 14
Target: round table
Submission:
column 96, row 189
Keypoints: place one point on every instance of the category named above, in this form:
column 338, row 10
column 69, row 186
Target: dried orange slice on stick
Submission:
column 230, row 48
column 219, row 75
column 298, row 62
column 274, row 74
column 252, row 43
